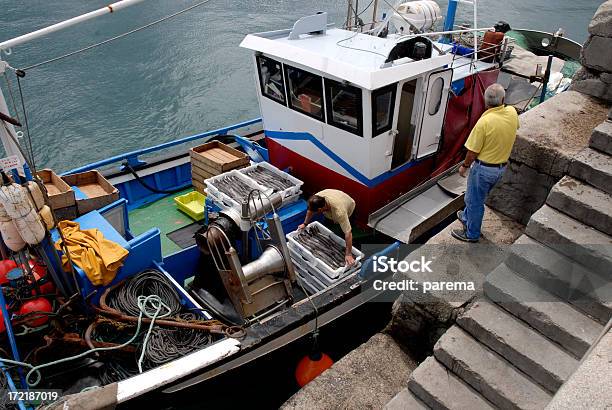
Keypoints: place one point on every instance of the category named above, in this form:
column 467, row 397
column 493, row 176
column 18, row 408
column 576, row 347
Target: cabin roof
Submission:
column 354, row 57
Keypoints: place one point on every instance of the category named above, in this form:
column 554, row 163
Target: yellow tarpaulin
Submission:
column 99, row 257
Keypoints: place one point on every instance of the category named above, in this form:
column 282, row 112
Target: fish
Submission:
column 234, row 187
column 322, row 246
column 269, row 179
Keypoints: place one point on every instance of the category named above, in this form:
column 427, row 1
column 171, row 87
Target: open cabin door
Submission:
column 434, row 111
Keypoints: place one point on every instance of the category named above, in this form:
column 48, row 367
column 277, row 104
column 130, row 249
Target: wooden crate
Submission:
column 211, row 159
column 59, row 192
column 199, row 186
column 97, row 190
column 216, row 157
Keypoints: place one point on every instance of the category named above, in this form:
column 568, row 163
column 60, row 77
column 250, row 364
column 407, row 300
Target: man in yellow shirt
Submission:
column 489, row 146
column 337, row 206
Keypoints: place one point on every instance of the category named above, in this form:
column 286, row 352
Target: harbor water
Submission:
column 180, row 77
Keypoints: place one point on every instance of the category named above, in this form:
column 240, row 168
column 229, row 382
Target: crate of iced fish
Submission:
column 309, row 281
column 231, row 189
column 269, row 176
column 321, row 252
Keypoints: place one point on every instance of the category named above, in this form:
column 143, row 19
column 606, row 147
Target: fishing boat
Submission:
column 380, row 110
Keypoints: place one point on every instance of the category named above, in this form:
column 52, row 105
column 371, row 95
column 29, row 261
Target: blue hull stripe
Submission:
column 370, row 183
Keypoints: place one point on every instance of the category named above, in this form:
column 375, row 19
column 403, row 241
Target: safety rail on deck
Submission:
column 132, row 157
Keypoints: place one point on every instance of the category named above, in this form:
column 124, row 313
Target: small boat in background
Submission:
column 380, row 110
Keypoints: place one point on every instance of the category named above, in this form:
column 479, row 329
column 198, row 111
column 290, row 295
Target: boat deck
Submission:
column 164, row 215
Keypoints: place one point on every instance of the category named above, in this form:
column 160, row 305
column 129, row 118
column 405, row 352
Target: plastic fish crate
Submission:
column 191, row 203
column 318, row 263
column 310, row 283
column 291, row 193
column 313, row 272
column 224, row 199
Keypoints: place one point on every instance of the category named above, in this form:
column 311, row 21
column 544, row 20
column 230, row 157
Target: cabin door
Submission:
column 434, row 111
column 404, row 138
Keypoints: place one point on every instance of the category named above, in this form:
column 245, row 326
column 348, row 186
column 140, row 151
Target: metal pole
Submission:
column 546, row 78
column 374, row 12
column 349, row 14
column 475, row 28
column 451, row 11
column 111, row 8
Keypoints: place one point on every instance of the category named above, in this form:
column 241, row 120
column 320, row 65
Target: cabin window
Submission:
column 305, row 92
column 344, row 106
column 383, row 105
column 435, row 97
column 271, row 79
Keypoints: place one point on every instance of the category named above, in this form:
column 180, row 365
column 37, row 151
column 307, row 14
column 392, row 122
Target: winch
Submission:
column 257, row 287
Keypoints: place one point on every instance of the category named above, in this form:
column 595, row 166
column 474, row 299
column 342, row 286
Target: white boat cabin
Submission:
column 355, row 103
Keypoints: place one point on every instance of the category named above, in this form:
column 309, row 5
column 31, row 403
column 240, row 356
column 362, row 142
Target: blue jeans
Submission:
column 481, row 181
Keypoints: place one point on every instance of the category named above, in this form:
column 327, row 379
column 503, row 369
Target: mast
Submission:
column 7, row 132
column 111, row 8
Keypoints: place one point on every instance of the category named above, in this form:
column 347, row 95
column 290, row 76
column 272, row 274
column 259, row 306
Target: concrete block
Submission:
column 405, row 400
column 580, row 242
column 439, row 388
column 529, row 351
column 563, row 277
column 601, row 138
column 553, row 132
column 594, row 168
column 590, row 387
column 521, row 192
column 489, row 374
column 549, row 315
column 596, row 54
column 582, row 202
column 367, row 377
column 601, row 24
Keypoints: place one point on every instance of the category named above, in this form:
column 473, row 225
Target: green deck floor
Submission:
column 162, row 214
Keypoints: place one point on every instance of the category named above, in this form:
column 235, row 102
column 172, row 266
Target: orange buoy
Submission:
column 311, row 366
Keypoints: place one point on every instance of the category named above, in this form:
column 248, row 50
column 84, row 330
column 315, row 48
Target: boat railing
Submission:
column 134, row 158
column 499, row 54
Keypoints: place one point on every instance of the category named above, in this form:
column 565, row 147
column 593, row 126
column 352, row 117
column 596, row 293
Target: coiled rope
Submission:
column 150, row 306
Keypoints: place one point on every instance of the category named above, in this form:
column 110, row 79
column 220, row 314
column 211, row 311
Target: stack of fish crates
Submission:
column 261, row 176
column 269, row 176
column 218, row 195
column 312, row 270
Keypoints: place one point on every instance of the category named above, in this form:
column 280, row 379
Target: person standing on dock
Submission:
column 337, row 206
column 489, row 146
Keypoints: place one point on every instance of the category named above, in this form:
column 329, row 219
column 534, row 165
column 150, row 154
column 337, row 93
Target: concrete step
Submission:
column 515, row 341
column 582, row 202
column 601, row 139
column 562, row 276
column 548, row 314
column 489, row 374
column 580, row 242
column 593, row 167
column 439, row 388
column 405, row 400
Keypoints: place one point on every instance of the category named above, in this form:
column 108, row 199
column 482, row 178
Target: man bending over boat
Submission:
column 337, row 206
column 489, row 146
